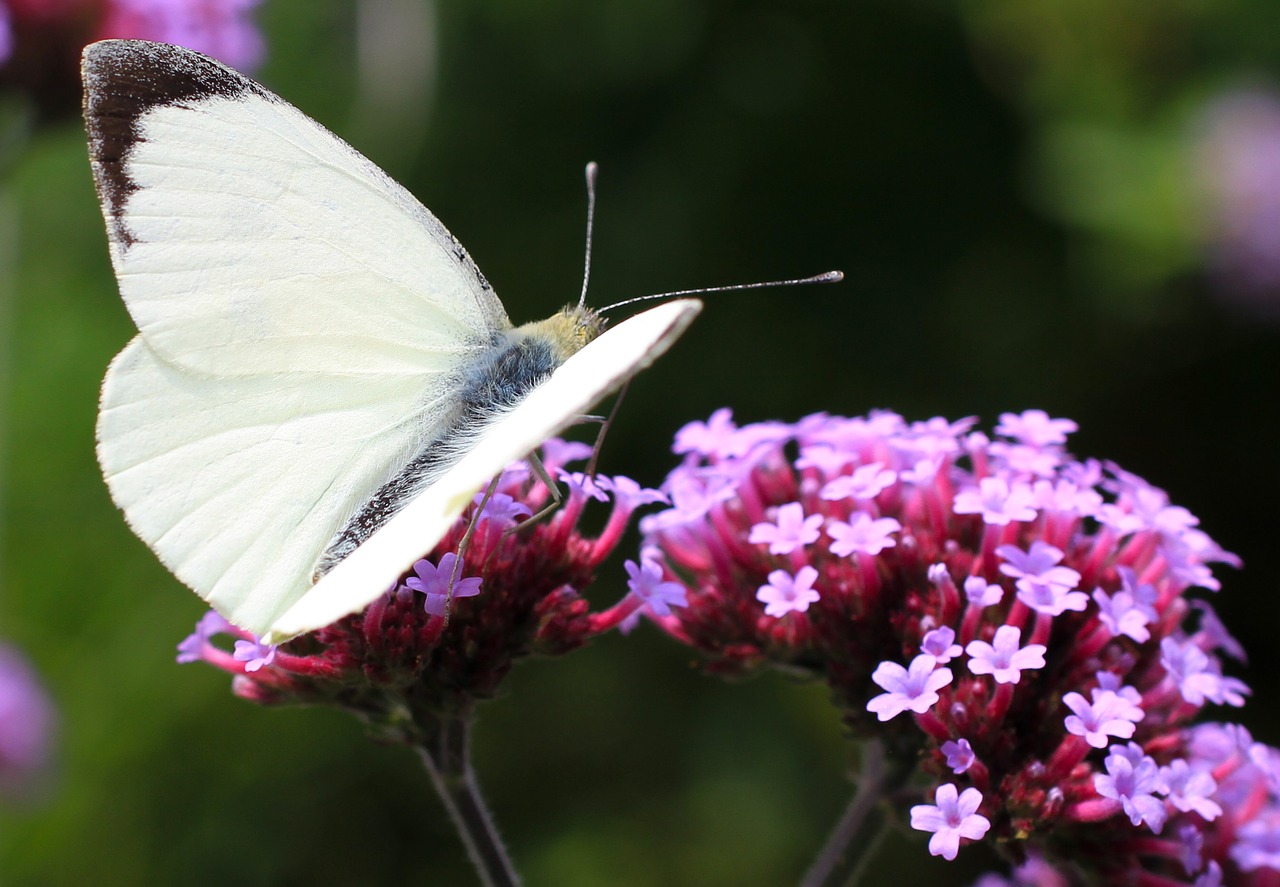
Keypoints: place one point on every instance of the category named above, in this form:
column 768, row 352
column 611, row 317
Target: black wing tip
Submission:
column 123, row 80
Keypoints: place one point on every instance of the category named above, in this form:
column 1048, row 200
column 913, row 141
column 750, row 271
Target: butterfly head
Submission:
column 568, row 331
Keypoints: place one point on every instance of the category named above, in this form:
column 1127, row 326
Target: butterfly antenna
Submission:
column 592, row 169
column 829, row 277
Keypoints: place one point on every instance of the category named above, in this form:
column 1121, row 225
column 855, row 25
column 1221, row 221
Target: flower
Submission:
column 954, row 817
column 1005, row 660
column 26, row 724
column 1058, row 592
column 788, row 594
column 447, row 633
column 219, row 28
column 790, row 530
column 41, row 40
column 914, row 688
column 1238, row 158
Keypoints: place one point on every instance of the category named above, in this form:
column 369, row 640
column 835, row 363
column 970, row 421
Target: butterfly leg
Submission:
column 465, row 543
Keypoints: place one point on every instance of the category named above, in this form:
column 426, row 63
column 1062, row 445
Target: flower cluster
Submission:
column 1016, row 618
column 41, row 40
column 447, row 633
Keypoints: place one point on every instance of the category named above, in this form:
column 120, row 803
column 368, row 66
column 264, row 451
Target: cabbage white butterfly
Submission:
column 322, row 379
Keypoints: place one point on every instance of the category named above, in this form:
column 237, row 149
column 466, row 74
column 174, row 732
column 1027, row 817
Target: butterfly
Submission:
column 322, row 379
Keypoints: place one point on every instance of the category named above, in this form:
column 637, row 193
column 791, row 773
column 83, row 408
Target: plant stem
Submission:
column 865, row 820
column 445, row 750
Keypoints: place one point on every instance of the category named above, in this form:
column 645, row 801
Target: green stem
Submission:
column 445, row 750
column 865, row 821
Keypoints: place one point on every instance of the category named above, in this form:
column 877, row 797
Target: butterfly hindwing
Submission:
column 238, row 484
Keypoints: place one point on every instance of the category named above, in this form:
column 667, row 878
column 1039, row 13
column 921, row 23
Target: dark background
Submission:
column 1012, row 191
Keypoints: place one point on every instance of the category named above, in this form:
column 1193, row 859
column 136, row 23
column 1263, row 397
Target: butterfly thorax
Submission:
column 489, row 385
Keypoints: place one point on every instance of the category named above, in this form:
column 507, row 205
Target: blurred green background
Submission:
column 1021, row 196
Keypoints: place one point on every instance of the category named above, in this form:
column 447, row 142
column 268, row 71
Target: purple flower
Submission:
column 582, row 484
column 1258, row 846
column 862, row 534
column 980, row 594
column 952, row 816
column 790, row 531
column 1213, row 635
column 1197, row 676
column 6, row 34
column 1042, row 584
column 631, row 494
column 220, row 28
column 1108, row 715
column 710, row 438
column 1212, row 876
column 959, row 754
column 646, row 582
column 1035, row 428
column 1190, row 790
column 1006, row 659
column 1238, row 153
column 26, row 723
column 692, row 495
column 441, row 584
column 866, row 482
column 940, row 644
column 786, row 593
column 998, row 501
column 193, row 646
column 1135, row 787
column 557, row 453
column 909, row 689
column 254, row 654
column 502, row 511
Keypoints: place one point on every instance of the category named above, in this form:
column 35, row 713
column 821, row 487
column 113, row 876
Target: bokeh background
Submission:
column 1071, row 204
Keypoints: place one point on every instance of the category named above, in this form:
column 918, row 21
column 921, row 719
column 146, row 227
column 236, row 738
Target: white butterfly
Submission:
column 321, row 375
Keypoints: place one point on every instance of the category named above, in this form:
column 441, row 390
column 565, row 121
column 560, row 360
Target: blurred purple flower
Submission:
column 26, row 723
column 220, row 28
column 41, row 40
column 6, row 34
column 1239, row 164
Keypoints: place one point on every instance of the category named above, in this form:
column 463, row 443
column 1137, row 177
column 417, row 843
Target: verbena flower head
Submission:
column 448, row 632
column 1017, row 618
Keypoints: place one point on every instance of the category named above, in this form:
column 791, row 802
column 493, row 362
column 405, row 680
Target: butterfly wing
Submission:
column 577, row 385
column 300, row 316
